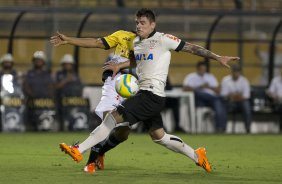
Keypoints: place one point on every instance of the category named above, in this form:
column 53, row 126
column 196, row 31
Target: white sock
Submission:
column 174, row 143
column 99, row 134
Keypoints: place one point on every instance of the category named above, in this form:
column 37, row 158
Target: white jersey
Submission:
column 153, row 56
column 275, row 87
column 239, row 86
column 195, row 80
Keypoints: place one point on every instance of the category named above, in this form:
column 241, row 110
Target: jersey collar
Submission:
column 152, row 33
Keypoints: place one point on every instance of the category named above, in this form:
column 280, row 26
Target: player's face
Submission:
column 144, row 27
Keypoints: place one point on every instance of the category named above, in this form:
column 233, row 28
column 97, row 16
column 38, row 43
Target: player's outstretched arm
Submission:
column 61, row 39
column 200, row 51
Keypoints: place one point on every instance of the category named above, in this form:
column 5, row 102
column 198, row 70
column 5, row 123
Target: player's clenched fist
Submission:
column 59, row 39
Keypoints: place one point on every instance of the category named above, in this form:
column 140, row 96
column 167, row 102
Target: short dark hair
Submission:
column 201, row 63
column 145, row 12
column 236, row 68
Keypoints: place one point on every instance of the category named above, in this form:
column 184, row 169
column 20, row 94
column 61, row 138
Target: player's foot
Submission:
column 202, row 159
column 90, row 168
column 100, row 162
column 71, row 151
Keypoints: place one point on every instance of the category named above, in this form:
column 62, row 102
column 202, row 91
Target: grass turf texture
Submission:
column 36, row 158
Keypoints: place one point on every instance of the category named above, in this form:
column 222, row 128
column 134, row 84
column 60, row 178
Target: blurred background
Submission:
column 250, row 29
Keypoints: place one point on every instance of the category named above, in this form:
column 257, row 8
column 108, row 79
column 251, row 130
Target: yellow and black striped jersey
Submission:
column 122, row 41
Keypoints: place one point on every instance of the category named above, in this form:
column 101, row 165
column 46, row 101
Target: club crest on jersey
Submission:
column 144, row 57
column 153, row 44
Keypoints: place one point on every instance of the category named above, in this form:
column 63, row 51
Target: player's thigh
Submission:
column 108, row 103
column 142, row 106
column 122, row 132
column 154, row 126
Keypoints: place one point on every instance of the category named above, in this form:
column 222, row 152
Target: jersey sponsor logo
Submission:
column 144, row 57
column 127, row 39
column 172, row 37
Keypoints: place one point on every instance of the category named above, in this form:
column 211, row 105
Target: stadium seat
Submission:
column 235, row 123
column 168, row 120
column 204, row 120
column 264, row 119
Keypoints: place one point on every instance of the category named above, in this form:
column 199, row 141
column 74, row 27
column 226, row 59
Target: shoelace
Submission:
column 75, row 144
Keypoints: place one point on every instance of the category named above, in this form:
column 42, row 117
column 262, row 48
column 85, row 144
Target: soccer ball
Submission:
column 126, row 85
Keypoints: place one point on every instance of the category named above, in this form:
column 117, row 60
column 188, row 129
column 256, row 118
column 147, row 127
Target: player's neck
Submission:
column 149, row 35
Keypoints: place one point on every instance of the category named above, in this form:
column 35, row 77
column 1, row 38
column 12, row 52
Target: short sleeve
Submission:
column 212, row 81
column 111, row 41
column 172, row 43
column 224, row 88
column 190, row 81
column 186, row 81
column 246, row 89
column 271, row 88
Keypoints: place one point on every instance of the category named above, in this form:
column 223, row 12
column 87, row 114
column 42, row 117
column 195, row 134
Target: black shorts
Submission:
column 144, row 106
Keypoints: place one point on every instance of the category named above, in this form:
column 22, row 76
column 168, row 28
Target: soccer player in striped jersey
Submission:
column 122, row 41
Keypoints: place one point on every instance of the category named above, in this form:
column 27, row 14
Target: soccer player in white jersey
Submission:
column 152, row 54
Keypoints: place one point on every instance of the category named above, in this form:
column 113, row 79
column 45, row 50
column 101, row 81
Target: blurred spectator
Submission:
column 72, row 107
column 235, row 89
column 67, row 80
column 38, row 81
column 7, row 63
column 263, row 55
column 275, row 93
column 12, row 98
column 39, row 89
column 206, row 89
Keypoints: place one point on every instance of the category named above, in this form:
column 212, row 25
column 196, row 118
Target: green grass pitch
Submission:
column 36, row 158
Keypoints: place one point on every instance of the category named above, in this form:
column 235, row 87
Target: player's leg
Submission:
column 141, row 106
column 102, row 131
column 96, row 136
column 110, row 99
column 171, row 142
column 119, row 135
column 134, row 109
column 175, row 143
column 96, row 157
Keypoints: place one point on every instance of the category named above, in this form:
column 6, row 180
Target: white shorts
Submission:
column 110, row 98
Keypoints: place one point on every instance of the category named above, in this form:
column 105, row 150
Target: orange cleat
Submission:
column 202, row 159
column 71, row 151
column 100, row 162
column 90, row 168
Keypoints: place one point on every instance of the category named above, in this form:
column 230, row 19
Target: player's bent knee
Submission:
column 118, row 117
column 157, row 134
column 122, row 133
